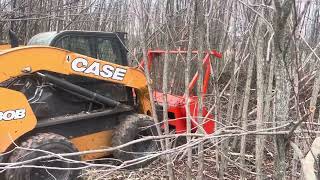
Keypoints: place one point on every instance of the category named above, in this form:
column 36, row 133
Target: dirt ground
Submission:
column 157, row 170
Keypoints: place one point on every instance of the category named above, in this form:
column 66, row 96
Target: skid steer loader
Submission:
column 67, row 92
column 74, row 91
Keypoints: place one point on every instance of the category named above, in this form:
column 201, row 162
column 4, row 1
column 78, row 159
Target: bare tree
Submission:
column 283, row 10
column 192, row 14
column 260, row 96
column 201, row 42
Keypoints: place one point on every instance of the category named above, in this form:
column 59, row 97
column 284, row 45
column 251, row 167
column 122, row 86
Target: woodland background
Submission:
column 263, row 92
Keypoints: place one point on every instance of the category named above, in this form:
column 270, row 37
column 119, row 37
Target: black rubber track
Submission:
column 133, row 127
column 48, row 142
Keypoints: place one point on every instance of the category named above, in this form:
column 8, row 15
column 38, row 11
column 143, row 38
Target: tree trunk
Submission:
column 283, row 10
column 260, row 100
column 143, row 20
column 165, row 101
column 201, row 42
column 187, row 79
column 244, row 118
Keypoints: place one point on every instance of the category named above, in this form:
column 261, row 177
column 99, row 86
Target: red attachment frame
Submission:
column 176, row 104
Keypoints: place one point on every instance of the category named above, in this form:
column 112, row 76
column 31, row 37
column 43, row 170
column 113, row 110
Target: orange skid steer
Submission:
column 58, row 96
column 66, row 92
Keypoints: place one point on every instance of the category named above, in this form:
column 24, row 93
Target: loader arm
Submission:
column 21, row 61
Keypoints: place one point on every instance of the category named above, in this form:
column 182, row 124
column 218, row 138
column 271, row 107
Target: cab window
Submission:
column 107, row 50
column 77, row 44
column 42, row 38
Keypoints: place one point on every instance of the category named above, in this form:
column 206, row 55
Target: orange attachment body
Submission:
column 177, row 104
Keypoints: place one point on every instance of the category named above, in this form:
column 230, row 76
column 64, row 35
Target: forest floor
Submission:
column 157, row 169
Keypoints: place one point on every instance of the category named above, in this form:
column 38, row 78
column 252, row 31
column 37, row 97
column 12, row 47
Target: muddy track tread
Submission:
column 34, row 142
column 124, row 133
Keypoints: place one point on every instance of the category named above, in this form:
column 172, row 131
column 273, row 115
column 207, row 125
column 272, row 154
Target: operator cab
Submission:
column 99, row 45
